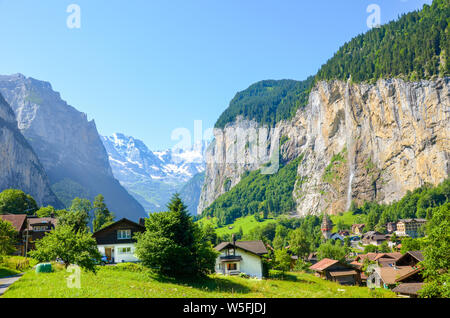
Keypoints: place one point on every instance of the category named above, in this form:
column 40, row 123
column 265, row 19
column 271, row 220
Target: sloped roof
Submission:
column 323, row 264
column 343, row 273
column 417, row 255
column 34, row 221
column 393, row 255
column 17, row 220
column 408, row 288
column 389, row 275
column 124, row 220
column 255, row 247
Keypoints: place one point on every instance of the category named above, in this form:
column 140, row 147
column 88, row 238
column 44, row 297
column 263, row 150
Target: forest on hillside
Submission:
column 414, row 47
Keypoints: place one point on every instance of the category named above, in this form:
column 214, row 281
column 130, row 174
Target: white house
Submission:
column 241, row 257
column 117, row 242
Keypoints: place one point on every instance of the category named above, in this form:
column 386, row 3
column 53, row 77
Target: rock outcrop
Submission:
column 20, row 168
column 67, row 144
column 361, row 142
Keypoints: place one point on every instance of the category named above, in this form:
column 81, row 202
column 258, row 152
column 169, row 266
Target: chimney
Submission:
column 233, row 239
column 142, row 221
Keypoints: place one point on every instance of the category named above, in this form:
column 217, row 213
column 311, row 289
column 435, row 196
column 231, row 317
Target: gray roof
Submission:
column 255, row 247
column 408, row 288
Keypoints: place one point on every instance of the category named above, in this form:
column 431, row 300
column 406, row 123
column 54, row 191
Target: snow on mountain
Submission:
column 152, row 176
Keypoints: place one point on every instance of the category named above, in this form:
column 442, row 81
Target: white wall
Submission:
column 120, row 257
column 250, row 264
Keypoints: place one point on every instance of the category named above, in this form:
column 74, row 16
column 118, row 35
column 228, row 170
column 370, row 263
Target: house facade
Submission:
column 336, row 271
column 29, row 229
column 117, row 243
column 241, row 257
column 19, row 222
column 409, row 227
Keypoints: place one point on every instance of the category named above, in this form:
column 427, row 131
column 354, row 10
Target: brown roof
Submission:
column 35, row 221
column 378, row 256
column 323, row 264
column 123, row 220
column 401, row 278
column 17, row 220
column 343, row 273
column 417, row 255
column 408, row 288
column 389, row 275
column 255, row 247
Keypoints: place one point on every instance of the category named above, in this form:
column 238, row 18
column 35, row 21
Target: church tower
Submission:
column 326, row 227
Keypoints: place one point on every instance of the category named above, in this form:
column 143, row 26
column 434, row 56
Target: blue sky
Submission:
column 145, row 68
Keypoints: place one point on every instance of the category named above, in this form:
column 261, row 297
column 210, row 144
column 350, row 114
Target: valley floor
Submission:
column 116, row 282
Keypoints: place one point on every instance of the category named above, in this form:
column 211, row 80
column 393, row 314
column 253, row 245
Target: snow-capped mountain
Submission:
column 152, row 176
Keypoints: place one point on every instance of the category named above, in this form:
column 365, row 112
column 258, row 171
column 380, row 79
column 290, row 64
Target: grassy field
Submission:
column 348, row 218
column 247, row 224
column 5, row 272
column 118, row 282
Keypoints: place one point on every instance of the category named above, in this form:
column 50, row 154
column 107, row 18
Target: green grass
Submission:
column 247, row 223
column 6, row 272
column 116, row 282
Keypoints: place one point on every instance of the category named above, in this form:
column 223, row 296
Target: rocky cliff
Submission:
column 361, row 142
column 67, row 144
column 20, row 168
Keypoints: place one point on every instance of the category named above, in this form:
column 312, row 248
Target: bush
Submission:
column 243, row 275
column 130, row 267
column 18, row 263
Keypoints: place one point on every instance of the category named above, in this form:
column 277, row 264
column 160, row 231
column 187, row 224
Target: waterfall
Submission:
column 349, row 191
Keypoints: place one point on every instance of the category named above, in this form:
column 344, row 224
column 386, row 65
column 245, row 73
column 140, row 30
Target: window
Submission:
column 40, row 228
column 123, row 234
column 232, row 266
column 124, row 250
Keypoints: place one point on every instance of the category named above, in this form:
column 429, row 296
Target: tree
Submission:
column 78, row 216
column 102, row 216
column 70, row 246
column 209, row 233
column 282, row 260
column 174, row 245
column 46, row 212
column 14, row 201
column 328, row 250
column 299, row 243
column 411, row 244
column 8, row 236
column 436, row 261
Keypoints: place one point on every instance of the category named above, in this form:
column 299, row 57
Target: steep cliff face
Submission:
column 20, row 168
column 360, row 143
column 67, row 144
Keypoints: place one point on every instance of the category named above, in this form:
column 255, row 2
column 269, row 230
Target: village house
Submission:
column 30, row 229
column 358, row 228
column 391, row 227
column 381, row 259
column 408, row 290
column 411, row 258
column 19, row 222
column 334, row 270
column 373, row 238
column 412, row 282
column 241, row 257
column 409, row 227
column 386, row 277
column 117, row 243
column 38, row 227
